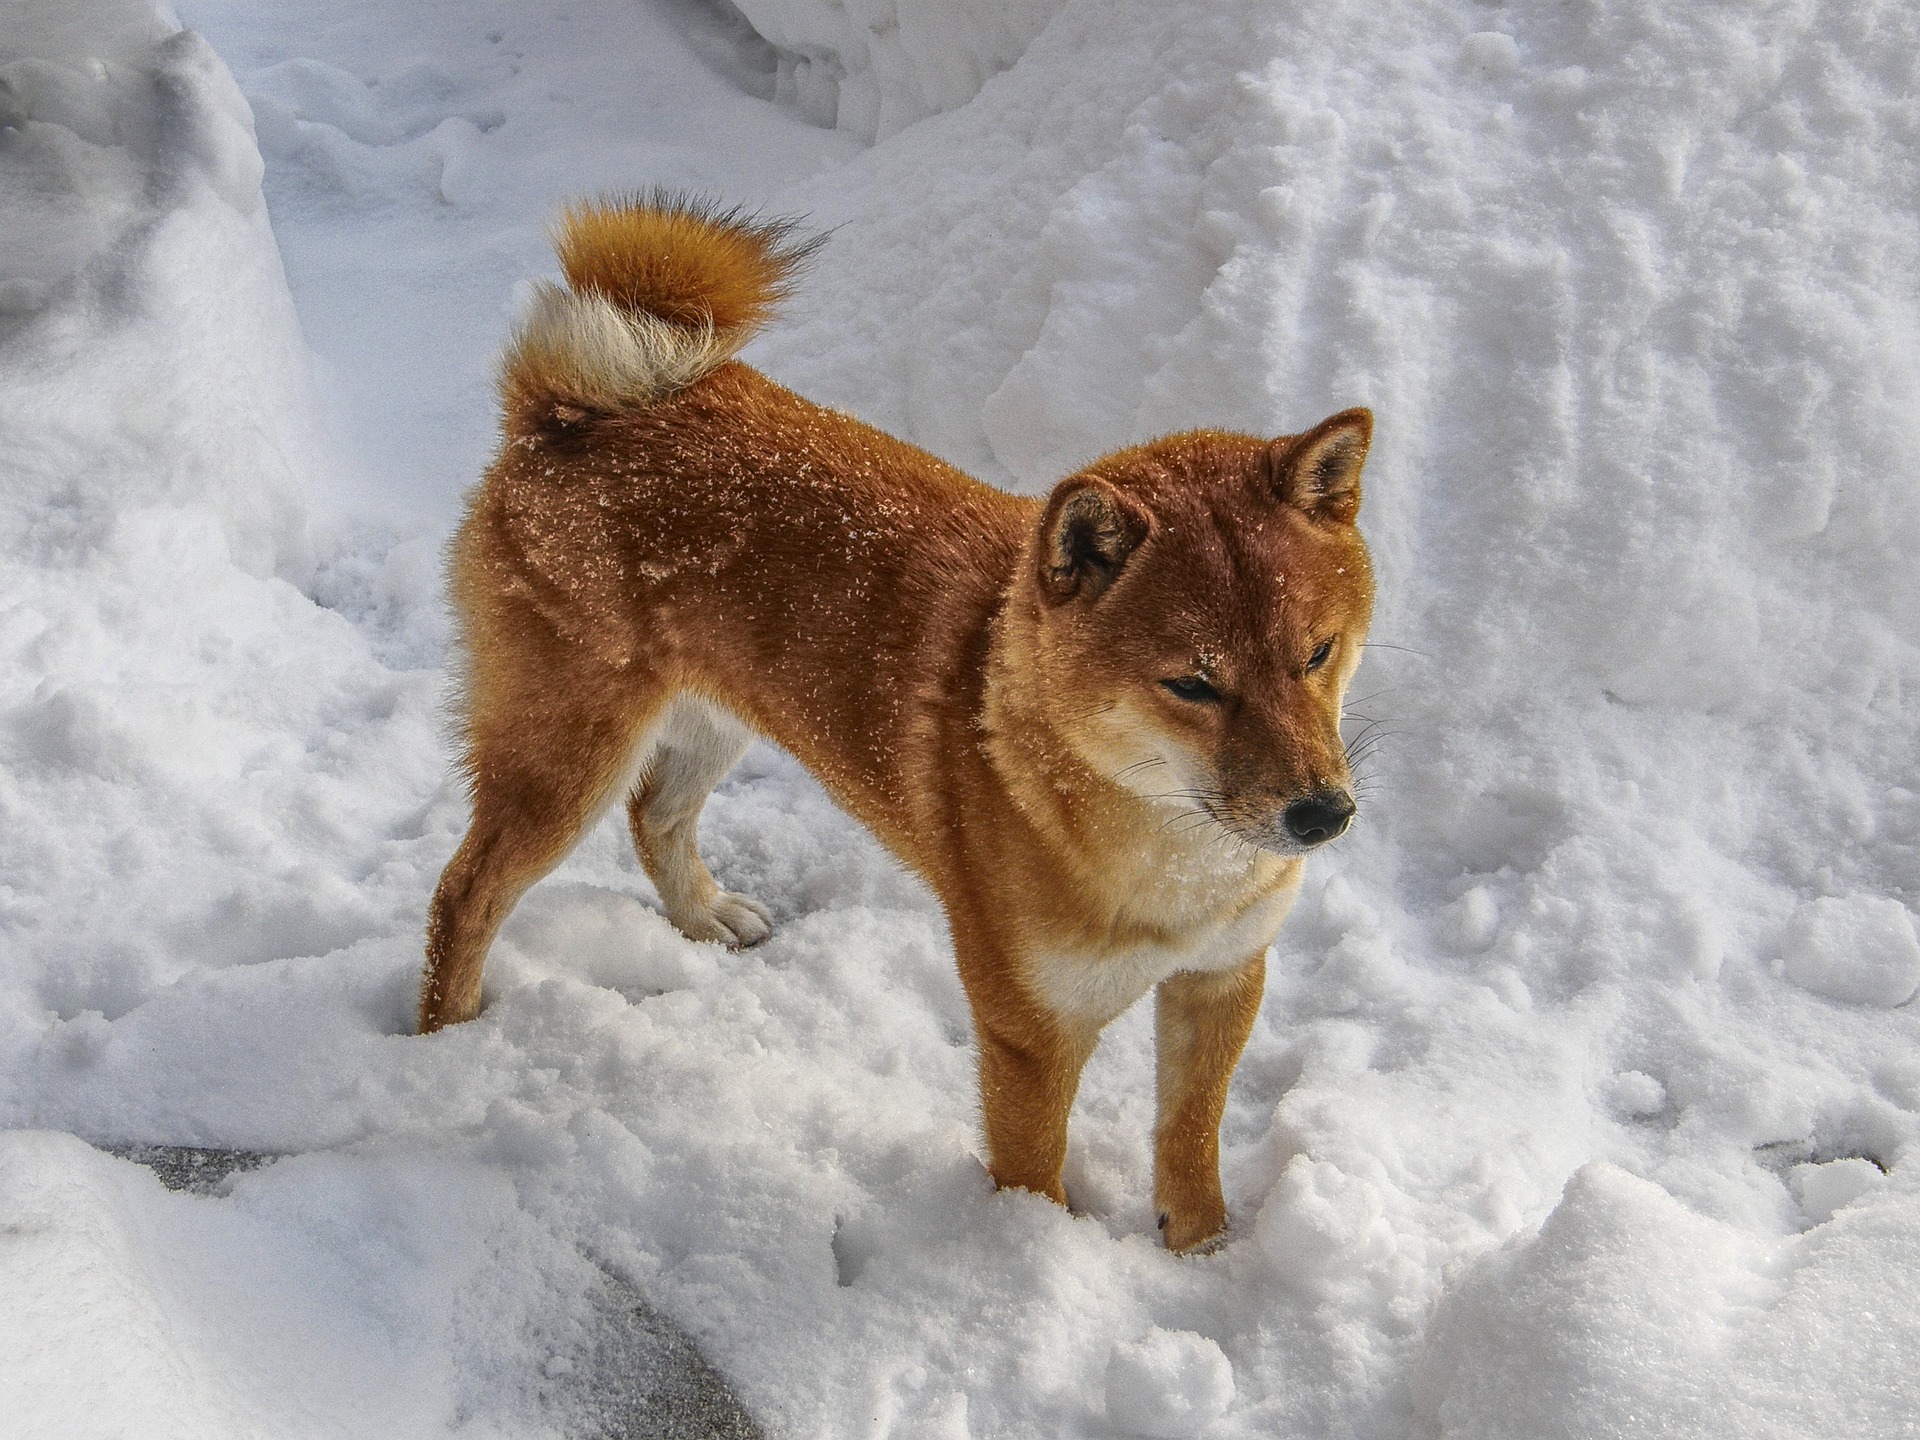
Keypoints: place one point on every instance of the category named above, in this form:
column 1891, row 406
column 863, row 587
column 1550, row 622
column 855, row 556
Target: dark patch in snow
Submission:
column 192, row 1168
column 642, row 1380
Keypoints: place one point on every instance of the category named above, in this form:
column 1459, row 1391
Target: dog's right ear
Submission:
column 1086, row 535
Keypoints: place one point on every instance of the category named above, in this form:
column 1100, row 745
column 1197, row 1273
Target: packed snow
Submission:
column 1585, row 1097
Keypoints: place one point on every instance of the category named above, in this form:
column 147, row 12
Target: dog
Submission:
column 1104, row 726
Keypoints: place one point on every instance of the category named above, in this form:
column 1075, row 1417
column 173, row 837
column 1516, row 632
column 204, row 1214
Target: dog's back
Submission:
column 696, row 523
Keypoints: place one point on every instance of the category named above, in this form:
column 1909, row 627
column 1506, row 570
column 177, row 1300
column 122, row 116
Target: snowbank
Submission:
column 136, row 228
column 181, row 725
column 873, row 67
column 182, row 733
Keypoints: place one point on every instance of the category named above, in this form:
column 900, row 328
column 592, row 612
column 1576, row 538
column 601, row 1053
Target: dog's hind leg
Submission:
column 693, row 747
column 544, row 767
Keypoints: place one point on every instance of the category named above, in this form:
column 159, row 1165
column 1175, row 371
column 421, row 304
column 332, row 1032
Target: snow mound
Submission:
column 1323, row 1229
column 1823, row 1188
column 1171, row 1384
column 1637, row 1094
column 165, row 685
column 1627, row 1315
column 137, row 225
column 1860, row 949
column 369, row 140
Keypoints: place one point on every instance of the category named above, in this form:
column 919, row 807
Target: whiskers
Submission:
column 1080, row 717
column 1199, row 808
column 1120, row 776
column 1204, row 810
column 1363, row 747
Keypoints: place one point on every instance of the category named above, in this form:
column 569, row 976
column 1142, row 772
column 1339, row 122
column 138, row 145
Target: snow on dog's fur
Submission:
column 1103, row 726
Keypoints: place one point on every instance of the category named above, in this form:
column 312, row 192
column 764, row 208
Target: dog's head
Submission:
column 1198, row 605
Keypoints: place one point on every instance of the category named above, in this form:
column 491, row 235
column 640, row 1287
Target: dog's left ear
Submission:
column 1319, row 472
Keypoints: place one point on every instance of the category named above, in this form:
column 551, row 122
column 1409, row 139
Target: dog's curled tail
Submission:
column 660, row 290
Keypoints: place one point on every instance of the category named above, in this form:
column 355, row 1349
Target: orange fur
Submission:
column 1104, row 727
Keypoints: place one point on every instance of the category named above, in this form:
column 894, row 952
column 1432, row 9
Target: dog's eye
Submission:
column 1319, row 656
column 1192, row 687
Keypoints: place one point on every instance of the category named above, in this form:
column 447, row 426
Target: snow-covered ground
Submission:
column 1586, row 1096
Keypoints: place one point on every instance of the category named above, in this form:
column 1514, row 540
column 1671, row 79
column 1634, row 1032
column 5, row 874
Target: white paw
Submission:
column 731, row 920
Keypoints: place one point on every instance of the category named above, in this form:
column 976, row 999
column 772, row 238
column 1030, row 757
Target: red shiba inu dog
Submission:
column 1104, row 726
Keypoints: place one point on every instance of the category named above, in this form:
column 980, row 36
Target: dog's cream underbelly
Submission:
column 1093, row 988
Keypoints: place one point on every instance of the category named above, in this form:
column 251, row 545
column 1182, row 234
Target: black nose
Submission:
column 1319, row 818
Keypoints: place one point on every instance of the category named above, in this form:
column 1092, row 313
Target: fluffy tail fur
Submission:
column 660, row 290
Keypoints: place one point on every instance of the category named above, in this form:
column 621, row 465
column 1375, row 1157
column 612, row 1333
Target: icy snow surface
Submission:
column 1584, row 1100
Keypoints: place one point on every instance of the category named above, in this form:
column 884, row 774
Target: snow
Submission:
column 1822, row 1189
column 872, row 67
column 1169, row 1384
column 1628, row 1314
column 1858, row 948
column 1585, row 1097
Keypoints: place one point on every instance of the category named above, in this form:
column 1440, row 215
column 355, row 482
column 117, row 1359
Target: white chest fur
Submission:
column 1092, row 987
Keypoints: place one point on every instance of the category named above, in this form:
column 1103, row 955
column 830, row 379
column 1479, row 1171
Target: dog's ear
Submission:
column 1086, row 535
column 1319, row 472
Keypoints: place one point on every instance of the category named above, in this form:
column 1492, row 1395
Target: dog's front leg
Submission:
column 1027, row 1084
column 1030, row 1065
column 1201, row 1024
